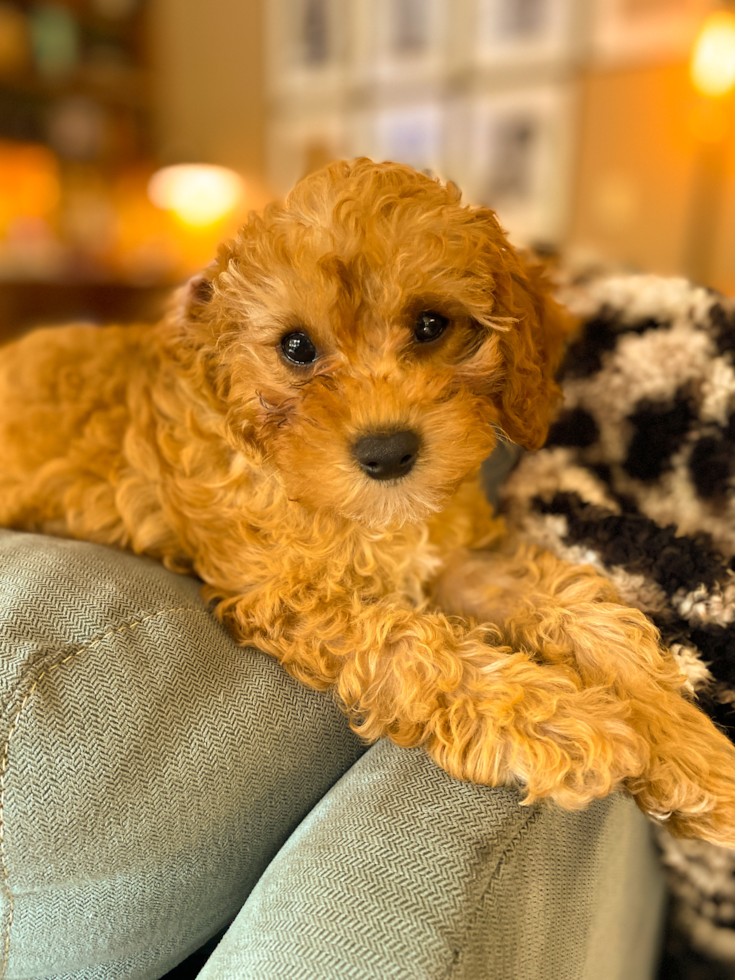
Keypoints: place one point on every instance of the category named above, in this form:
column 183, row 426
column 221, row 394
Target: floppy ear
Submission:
column 197, row 294
column 191, row 307
column 532, row 349
column 186, row 332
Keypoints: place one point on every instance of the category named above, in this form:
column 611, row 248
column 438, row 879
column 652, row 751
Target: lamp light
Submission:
column 198, row 194
column 713, row 59
column 712, row 71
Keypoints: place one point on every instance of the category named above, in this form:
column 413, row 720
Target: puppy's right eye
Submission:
column 298, row 348
column 429, row 326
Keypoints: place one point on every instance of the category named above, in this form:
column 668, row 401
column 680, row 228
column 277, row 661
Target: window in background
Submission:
column 494, row 94
column 308, row 86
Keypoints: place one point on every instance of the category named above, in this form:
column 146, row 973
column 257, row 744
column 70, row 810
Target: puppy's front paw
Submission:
column 491, row 715
column 690, row 783
column 536, row 727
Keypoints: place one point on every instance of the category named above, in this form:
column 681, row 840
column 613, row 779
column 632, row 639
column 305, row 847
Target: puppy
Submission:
column 303, row 432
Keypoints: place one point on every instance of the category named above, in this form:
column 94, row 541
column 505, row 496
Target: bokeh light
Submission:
column 29, row 177
column 713, row 60
column 198, row 194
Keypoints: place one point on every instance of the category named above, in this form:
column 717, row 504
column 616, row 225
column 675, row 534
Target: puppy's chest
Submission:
column 370, row 568
column 423, row 563
column 404, row 563
column 277, row 539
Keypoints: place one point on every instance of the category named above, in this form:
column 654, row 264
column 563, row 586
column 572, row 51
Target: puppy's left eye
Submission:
column 298, row 348
column 429, row 326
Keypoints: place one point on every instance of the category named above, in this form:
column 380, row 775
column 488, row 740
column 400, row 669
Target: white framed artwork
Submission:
column 400, row 41
column 412, row 134
column 631, row 30
column 306, row 44
column 510, row 32
column 517, row 159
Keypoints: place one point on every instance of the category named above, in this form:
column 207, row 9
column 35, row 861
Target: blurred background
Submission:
column 134, row 134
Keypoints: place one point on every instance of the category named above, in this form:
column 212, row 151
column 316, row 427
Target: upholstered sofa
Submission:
column 158, row 782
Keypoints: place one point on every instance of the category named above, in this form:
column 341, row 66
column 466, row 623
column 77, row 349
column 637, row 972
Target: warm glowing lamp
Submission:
column 198, row 194
column 712, row 70
column 713, row 58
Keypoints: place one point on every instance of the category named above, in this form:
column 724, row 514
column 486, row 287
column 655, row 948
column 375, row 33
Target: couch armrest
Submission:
column 149, row 767
column 401, row 871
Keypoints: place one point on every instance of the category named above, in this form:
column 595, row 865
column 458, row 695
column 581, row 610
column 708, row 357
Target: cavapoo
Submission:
column 304, row 431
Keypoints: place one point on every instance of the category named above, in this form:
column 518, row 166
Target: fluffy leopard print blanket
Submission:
column 638, row 479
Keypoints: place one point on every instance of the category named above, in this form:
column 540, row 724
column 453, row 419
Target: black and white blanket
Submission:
column 638, row 479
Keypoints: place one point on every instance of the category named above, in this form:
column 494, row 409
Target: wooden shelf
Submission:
column 28, row 303
column 125, row 85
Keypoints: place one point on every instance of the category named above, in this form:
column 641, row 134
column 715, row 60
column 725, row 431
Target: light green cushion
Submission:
column 151, row 769
column 402, row 872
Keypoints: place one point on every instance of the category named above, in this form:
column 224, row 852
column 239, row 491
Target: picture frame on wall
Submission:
column 516, row 160
column 631, row 30
column 400, row 41
column 307, row 44
column 512, row 31
column 410, row 133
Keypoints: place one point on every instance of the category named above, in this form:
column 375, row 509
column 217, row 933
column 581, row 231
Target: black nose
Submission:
column 387, row 457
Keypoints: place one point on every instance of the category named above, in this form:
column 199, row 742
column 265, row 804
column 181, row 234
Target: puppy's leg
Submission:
column 496, row 713
column 568, row 616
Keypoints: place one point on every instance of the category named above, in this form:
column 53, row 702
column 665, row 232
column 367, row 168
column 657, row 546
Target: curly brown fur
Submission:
column 197, row 442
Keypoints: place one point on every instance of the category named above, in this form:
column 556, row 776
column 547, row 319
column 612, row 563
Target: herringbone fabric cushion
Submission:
column 402, row 872
column 150, row 768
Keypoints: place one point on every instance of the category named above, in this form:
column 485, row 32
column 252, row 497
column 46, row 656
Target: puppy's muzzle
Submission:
column 387, row 456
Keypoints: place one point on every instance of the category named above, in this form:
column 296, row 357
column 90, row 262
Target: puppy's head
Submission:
column 371, row 337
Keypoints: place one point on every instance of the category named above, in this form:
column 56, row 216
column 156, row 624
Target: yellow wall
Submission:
column 635, row 199
column 209, row 85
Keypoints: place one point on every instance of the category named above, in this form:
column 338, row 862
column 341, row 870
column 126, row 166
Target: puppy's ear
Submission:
column 532, row 350
column 196, row 295
column 187, row 325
